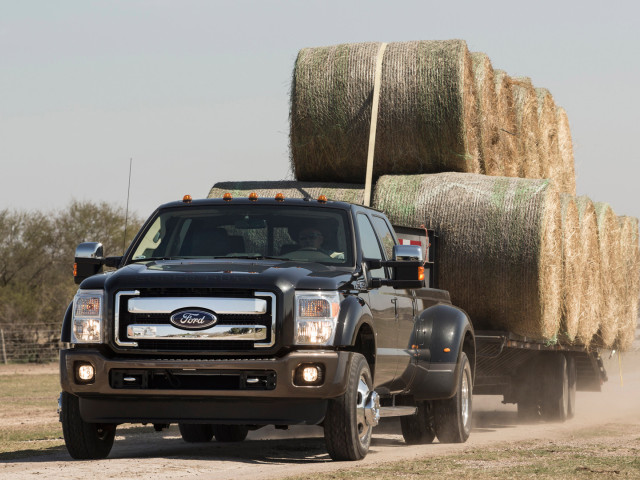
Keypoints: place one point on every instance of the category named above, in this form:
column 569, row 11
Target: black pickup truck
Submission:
column 225, row 315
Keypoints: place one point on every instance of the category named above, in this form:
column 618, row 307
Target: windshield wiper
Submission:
column 151, row 259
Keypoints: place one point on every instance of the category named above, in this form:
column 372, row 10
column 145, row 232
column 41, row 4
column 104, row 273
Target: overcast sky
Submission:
column 197, row 92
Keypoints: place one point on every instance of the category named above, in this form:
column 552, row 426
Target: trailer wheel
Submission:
column 84, row 441
column 555, row 388
column 351, row 417
column 572, row 378
column 452, row 417
column 230, row 433
column 196, row 432
column 419, row 428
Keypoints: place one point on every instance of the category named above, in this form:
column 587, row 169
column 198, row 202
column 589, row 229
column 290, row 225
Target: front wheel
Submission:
column 452, row 417
column 84, row 441
column 351, row 417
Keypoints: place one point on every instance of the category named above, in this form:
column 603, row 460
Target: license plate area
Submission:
column 179, row 379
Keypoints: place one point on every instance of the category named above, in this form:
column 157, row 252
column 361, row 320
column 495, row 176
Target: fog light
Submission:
column 310, row 374
column 85, row 373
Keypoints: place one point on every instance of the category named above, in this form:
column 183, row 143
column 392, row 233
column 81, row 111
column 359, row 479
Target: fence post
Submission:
column 4, row 351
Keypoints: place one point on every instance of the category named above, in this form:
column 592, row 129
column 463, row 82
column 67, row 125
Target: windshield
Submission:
column 285, row 232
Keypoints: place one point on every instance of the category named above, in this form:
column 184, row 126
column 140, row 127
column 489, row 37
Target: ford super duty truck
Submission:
column 225, row 315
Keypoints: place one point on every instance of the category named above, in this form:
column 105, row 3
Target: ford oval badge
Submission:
column 192, row 319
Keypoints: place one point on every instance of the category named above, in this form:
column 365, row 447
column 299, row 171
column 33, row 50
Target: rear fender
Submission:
column 441, row 334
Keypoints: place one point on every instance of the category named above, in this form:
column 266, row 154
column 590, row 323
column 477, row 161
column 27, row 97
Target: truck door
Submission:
column 382, row 302
column 404, row 310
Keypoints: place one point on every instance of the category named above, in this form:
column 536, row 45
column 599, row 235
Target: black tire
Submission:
column 84, row 441
column 419, row 429
column 555, row 387
column 347, row 430
column 571, row 378
column 196, row 432
column 452, row 417
column 230, row 433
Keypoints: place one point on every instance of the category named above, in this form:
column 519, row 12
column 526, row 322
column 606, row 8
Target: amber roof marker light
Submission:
column 253, row 196
column 322, row 199
column 280, row 197
column 187, row 199
column 227, row 197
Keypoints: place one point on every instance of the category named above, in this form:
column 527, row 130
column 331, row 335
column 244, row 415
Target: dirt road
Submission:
column 268, row 453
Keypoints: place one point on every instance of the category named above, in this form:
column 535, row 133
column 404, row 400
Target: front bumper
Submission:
column 184, row 398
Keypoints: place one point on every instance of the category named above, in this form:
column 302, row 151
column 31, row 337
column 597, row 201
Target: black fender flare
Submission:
column 65, row 334
column 442, row 332
column 354, row 313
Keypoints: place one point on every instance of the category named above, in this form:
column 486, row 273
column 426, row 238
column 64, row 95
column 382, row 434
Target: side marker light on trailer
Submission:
column 447, row 350
column 421, row 273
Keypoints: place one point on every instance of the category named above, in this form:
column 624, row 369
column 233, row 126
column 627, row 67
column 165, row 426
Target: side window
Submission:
column 385, row 235
column 369, row 243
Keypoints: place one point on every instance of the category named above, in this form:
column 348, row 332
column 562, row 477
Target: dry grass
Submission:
column 427, row 118
column 290, row 189
column 486, row 104
column 565, row 150
column 592, row 299
column 499, row 247
column 573, row 263
column 525, row 102
column 589, row 454
column 630, row 281
column 507, row 149
column 609, row 246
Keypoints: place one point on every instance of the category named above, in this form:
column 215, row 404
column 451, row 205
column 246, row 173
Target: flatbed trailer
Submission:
column 540, row 377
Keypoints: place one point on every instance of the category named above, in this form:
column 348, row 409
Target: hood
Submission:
column 252, row 274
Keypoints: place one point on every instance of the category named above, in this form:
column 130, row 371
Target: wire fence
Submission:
column 39, row 343
column 29, row 343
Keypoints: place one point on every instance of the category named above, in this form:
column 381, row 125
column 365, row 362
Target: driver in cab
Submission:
column 310, row 246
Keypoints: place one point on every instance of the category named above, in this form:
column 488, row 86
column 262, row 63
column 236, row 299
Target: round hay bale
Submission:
column 609, row 247
column 591, row 303
column 486, row 105
column 573, row 264
column 507, row 149
column 291, row 189
column 548, row 144
column 631, row 276
column 525, row 102
column 499, row 248
column 565, row 149
column 427, row 115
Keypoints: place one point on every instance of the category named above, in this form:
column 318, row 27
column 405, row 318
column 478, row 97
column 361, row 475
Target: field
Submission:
column 602, row 441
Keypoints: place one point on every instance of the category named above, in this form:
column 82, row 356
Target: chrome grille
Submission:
column 245, row 321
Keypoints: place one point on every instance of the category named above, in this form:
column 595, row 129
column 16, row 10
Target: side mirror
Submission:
column 88, row 261
column 407, row 270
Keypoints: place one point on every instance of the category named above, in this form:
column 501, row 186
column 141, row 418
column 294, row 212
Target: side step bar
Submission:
column 397, row 411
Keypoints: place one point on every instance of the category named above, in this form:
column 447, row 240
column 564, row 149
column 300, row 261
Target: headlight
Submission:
column 87, row 317
column 316, row 317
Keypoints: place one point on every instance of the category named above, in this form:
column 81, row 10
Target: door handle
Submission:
column 394, row 300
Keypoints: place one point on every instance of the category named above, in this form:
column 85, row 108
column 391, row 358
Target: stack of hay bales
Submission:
column 513, row 253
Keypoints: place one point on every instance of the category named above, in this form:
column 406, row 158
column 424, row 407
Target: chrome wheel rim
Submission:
column 464, row 400
column 367, row 411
